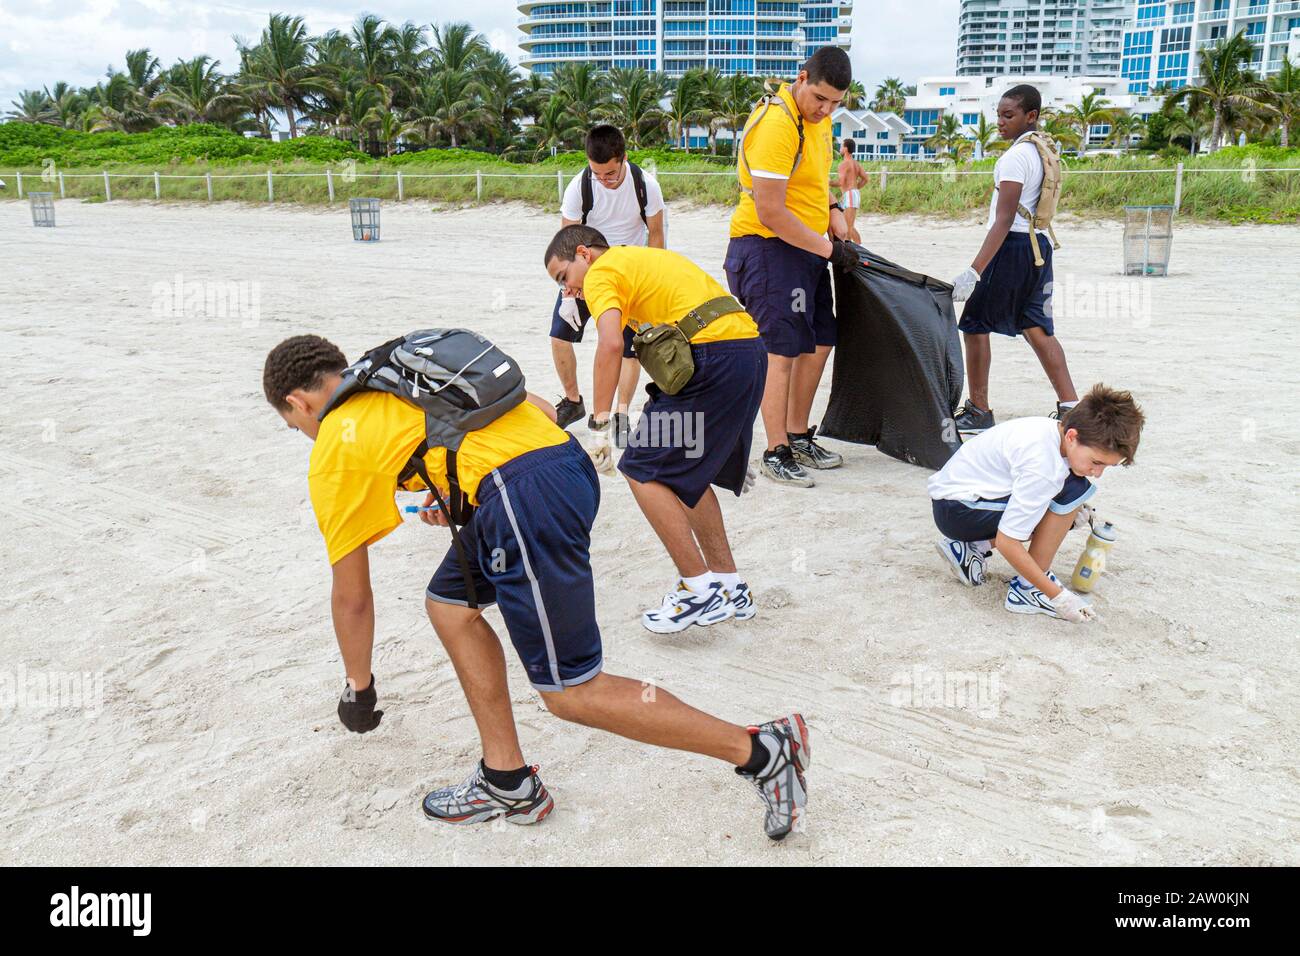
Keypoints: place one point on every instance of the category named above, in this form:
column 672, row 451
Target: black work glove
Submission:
column 357, row 708
column 843, row 256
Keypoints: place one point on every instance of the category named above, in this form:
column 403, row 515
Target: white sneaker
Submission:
column 1024, row 598
column 742, row 602
column 964, row 559
column 684, row 607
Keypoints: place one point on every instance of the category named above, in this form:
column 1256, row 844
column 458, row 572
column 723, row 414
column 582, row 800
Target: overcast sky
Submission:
column 43, row 41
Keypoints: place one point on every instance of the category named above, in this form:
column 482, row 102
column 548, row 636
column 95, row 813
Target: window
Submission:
column 1148, row 13
column 947, row 91
column 884, row 135
column 1179, row 38
column 970, row 119
column 1255, row 28
column 1136, row 67
column 1138, row 42
column 1171, row 65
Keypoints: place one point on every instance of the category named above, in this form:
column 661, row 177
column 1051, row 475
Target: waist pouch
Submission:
column 664, row 351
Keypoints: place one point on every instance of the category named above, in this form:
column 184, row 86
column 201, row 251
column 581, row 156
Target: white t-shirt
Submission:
column 1021, row 458
column 1019, row 164
column 615, row 212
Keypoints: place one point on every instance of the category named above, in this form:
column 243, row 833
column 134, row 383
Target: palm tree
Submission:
column 356, row 107
column 373, row 42
column 854, row 96
column 144, row 71
column 1194, row 124
column 554, row 128
column 740, row 92
column 281, row 65
column 33, row 106
column 584, row 90
column 67, row 105
column 1091, row 111
column 194, row 92
column 713, row 90
column 986, row 137
column 948, row 137
column 1284, row 97
column 1224, row 84
column 687, row 105
column 1125, row 128
column 633, row 107
column 444, row 105
column 1060, row 129
column 891, row 96
column 499, row 90
column 121, row 106
column 455, row 47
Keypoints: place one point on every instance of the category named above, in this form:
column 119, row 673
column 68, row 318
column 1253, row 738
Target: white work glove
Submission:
column 1082, row 518
column 964, row 285
column 569, row 312
column 1071, row 607
column 602, row 453
column 750, row 478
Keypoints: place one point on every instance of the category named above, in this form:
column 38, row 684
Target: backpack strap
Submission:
column 638, row 183
column 588, row 200
column 767, row 101
column 416, row 466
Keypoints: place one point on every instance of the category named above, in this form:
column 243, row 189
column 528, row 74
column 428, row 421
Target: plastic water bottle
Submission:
column 1093, row 560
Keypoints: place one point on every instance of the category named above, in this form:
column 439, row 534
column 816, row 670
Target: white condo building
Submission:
column 1041, row 36
column 968, row 97
column 1161, row 45
column 758, row 37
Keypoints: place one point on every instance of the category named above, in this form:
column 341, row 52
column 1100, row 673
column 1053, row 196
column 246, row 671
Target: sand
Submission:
column 158, row 539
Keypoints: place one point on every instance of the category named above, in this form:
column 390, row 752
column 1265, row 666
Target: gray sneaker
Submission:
column 567, row 412
column 780, row 784
column 477, row 801
column 973, row 421
column 779, row 464
column 807, row 452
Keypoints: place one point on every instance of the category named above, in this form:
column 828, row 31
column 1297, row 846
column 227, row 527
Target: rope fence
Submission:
column 561, row 177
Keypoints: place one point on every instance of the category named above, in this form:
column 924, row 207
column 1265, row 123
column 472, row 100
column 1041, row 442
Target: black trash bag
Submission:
column 898, row 367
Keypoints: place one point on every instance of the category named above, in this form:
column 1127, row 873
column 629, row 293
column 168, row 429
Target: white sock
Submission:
column 729, row 581
column 700, row 583
column 1068, row 405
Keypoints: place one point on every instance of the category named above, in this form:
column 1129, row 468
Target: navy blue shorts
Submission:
column 978, row 520
column 529, row 553
column 702, row 435
column 1013, row 294
column 786, row 290
column 566, row 333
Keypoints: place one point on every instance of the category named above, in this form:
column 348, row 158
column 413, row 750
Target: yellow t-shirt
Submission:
column 364, row 444
column 770, row 147
column 659, row 286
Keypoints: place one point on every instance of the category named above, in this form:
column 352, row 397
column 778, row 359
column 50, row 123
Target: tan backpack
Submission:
column 1049, row 197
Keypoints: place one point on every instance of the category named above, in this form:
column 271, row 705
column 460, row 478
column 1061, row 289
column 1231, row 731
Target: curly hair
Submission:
column 302, row 361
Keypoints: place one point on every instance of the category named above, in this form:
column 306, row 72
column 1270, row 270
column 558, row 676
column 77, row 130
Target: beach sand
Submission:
column 158, row 538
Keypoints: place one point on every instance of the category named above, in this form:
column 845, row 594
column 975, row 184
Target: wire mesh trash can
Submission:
column 365, row 219
column 42, row 208
column 1148, row 237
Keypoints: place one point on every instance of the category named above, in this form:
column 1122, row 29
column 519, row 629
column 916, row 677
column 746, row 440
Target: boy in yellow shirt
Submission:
column 526, row 549
column 785, row 229
column 684, row 442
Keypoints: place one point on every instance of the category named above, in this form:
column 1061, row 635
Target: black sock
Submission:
column 505, row 779
column 759, row 755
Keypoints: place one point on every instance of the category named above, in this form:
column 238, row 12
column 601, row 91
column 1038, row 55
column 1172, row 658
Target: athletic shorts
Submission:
column 566, row 333
column 786, row 290
column 1013, row 294
column 978, row 520
column 851, row 199
column 528, row 547
column 702, row 435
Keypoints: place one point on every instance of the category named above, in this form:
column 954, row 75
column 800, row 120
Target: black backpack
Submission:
column 461, row 381
column 638, row 183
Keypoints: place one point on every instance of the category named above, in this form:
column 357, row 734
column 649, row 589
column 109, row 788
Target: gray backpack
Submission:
column 460, row 380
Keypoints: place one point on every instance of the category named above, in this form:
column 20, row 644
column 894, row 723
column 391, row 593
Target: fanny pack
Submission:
column 665, row 350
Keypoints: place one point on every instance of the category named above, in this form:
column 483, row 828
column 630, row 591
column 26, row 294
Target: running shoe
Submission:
column 684, row 607
column 807, row 452
column 477, row 801
column 971, row 421
column 1024, row 598
column 780, row 783
column 964, row 559
column 742, row 602
column 780, row 465
column 567, row 412
column 1059, row 414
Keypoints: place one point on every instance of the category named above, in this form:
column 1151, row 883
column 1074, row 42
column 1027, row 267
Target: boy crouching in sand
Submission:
column 1025, row 481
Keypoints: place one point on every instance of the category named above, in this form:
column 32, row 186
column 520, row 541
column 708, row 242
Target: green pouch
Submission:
column 664, row 351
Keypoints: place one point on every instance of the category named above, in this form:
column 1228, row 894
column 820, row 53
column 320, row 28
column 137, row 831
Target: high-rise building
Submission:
column 1074, row 37
column 1162, row 43
column 759, row 37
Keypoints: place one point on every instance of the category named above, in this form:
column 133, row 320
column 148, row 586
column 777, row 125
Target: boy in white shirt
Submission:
column 625, row 204
column 1024, row 481
column 1005, row 292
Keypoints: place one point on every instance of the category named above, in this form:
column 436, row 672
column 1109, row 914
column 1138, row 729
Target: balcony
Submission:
column 1280, row 37
column 1213, row 16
